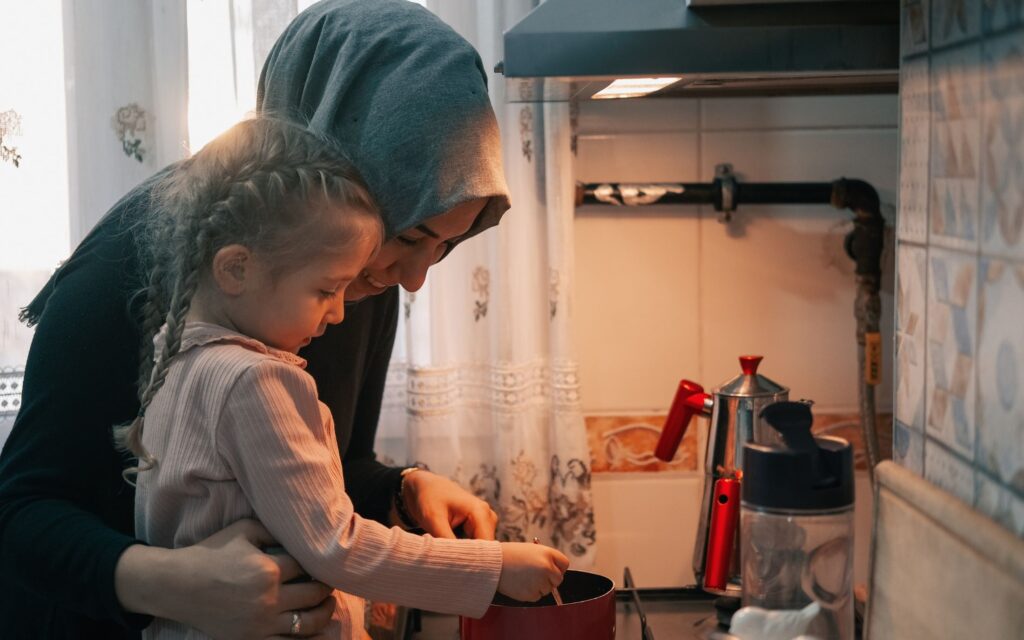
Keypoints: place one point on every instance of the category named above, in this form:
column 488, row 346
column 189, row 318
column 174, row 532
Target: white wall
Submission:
column 669, row 292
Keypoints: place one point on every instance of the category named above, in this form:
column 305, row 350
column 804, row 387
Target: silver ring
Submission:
column 296, row 623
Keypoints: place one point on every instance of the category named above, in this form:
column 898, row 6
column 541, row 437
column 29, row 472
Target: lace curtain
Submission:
column 483, row 386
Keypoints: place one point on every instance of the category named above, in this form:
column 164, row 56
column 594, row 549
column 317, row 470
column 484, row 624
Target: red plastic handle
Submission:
column 722, row 533
column 689, row 399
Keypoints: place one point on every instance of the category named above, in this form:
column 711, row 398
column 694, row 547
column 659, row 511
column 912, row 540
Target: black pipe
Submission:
column 711, row 193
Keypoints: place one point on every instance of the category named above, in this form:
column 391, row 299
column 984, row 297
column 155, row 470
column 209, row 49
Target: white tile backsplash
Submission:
column 800, row 112
column 669, row 292
column 637, row 157
column 637, row 116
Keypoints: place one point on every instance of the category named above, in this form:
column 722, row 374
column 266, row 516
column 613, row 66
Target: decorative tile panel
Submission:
column 911, row 347
column 908, row 448
column 1000, row 14
column 954, row 167
column 627, row 443
column 915, row 113
column 1001, row 371
column 1002, row 162
column 948, row 470
column 914, row 27
column 999, row 503
column 951, row 326
column 954, row 20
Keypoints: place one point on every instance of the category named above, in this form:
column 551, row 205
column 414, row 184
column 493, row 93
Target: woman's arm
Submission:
column 224, row 586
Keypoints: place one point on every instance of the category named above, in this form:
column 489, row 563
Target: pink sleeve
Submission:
column 283, row 452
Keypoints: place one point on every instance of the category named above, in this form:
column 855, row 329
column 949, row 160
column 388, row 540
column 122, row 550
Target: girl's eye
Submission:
column 406, row 241
column 328, row 294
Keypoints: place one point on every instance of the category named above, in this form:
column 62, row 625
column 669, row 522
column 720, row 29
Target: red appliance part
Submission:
column 588, row 614
column 722, row 535
column 749, row 364
column 690, row 398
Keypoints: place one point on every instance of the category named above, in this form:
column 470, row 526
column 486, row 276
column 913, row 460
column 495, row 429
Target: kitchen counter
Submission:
column 672, row 614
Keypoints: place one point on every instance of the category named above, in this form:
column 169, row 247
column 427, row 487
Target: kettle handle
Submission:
column 690, row 398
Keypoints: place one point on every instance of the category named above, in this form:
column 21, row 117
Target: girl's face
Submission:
column 289, row 310
column 405, row 258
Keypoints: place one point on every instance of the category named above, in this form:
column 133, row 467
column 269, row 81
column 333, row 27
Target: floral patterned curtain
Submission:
column 483, row 386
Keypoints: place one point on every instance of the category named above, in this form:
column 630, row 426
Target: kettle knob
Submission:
column 749, row 364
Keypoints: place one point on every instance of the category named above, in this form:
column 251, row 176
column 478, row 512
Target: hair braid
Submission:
column 261, row 185
column 193, row 241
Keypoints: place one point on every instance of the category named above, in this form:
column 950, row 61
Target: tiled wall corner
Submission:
column 951, row 326
column 955, row 141
column 914, row 27
column 911, row 345
column 1001, row 371
column 1002, row 167
column 962, row 268
column 915, row 113
column 954, row 21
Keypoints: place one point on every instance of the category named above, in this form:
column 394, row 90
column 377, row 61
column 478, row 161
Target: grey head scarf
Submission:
column 403, row 95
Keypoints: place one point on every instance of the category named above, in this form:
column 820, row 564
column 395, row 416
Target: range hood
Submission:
column 572, row 49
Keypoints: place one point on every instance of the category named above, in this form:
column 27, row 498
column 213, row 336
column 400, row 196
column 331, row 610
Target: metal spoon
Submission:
column 554, row 590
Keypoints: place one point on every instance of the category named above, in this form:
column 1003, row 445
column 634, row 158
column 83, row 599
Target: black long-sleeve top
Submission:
column 66, row 514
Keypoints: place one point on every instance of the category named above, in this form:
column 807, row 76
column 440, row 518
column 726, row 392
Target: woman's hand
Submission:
column 225, row 586
column 439, row 506
column 530, row 571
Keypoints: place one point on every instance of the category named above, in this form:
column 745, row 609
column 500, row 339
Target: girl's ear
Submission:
column 232, row 267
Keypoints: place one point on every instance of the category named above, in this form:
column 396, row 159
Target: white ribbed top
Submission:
column 238, row 432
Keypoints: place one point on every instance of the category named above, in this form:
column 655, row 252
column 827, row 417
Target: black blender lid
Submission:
column 805, row 472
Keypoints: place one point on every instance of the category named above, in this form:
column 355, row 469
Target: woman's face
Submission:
column 404, row 259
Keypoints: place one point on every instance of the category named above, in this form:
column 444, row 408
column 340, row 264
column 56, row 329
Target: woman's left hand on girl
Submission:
column 440, row 506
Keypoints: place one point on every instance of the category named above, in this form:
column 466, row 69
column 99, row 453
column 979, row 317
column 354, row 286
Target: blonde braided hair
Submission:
column 266, row 184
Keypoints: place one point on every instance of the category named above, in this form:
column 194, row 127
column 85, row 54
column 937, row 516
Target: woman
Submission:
column 406, row 97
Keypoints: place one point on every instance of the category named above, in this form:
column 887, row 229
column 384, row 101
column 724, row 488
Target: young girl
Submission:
column 251, row 246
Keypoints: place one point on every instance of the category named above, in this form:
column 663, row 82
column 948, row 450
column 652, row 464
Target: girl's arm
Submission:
column 279, row 442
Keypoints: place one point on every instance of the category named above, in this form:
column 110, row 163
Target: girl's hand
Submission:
column 530, row 571
column 224, row 586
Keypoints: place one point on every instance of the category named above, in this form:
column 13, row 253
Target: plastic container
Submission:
column 796, row 523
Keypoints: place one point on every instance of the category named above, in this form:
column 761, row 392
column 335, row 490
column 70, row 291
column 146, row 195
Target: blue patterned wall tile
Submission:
column 999, row 503
column 1001, row 371
column 1002, row 162
column 951, row 331
column 954, row 20
column 914, row 27
column 915, row 119
column 954, row 148
column 1000, row 14
column 948, row 470
column 908, row 447
column 911, row 301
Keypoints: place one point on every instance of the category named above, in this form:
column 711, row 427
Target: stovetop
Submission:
column 681, row 613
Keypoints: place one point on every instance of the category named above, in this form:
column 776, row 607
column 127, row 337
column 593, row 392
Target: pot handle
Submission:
column 690, row 398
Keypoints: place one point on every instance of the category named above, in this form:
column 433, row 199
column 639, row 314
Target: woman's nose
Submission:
column 413, row 270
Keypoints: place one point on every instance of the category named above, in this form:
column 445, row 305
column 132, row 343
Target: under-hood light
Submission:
column 633, row 87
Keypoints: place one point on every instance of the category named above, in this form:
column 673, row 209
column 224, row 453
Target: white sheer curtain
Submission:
column 483, row 386
column 92, row 101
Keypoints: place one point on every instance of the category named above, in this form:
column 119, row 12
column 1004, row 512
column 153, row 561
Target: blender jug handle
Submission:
column 690, row 398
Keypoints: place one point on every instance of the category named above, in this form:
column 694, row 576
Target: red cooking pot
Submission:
column 587, row 613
